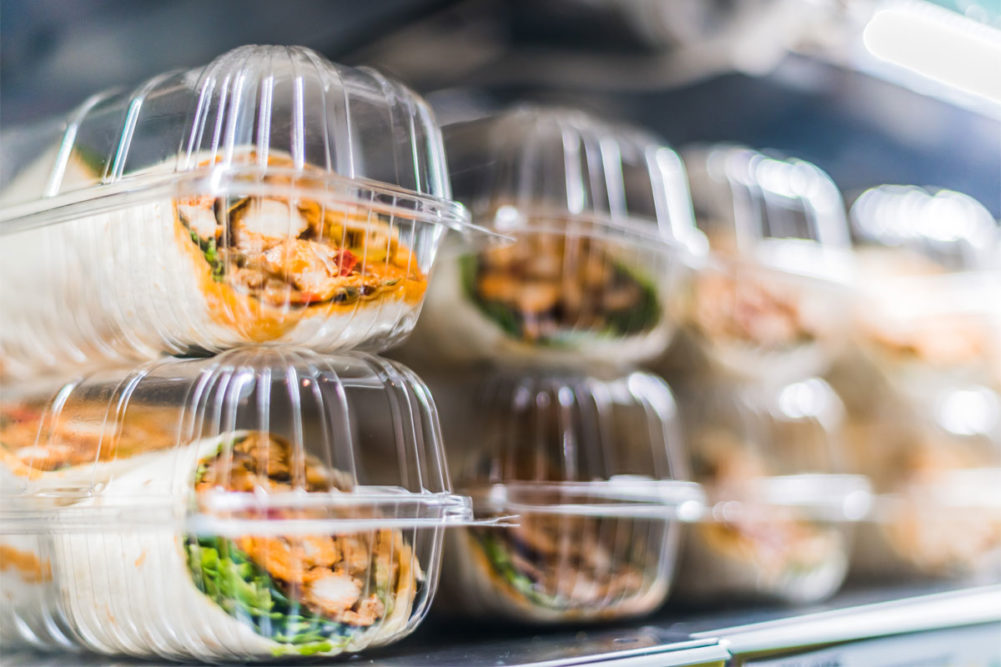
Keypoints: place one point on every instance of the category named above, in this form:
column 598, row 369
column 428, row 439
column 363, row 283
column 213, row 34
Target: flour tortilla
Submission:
column 30, row 613
column 128, row 284
column 708, row 573
column 131, row 591
column 454, row 326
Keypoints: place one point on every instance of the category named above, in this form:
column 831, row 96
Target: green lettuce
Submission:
column 634, row 320
column 245, row 591
column 211, row 253
column 497, row 554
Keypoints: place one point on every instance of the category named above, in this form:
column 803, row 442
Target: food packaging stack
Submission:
column 531, row 348
column 198, row 457
column 763, row 314
column 922, row 390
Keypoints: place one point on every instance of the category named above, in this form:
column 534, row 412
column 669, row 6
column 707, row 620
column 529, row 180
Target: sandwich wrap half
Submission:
column 208, row 272
column 158, row 591
column 48, row 461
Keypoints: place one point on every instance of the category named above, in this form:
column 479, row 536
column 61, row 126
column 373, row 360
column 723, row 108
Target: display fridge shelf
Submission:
column 859, row 627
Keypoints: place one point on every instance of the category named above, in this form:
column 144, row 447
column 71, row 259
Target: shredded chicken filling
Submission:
column 347, row 578
column 776, row 541
column 298, row 254
column 547, row 284
column 728, row 308
column 81, row 434
column 572, row 562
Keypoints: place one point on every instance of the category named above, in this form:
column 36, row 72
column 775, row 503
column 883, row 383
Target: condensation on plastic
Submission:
column 255, row 505
column 935, row 464
column 928, row 284
column 602, row 223
column 771, row 299
column 270, row 196
column 591, row 468
column 781, row 511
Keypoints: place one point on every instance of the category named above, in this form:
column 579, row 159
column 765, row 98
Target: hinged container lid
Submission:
column 260, row 440
column 253, row 111
column 533, row 167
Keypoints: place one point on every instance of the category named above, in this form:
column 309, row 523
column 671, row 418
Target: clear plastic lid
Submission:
column 770, row 300
column 602, row 223
column 270, row 196
column 533, row 168
column 937, row 230
column 250, row 110
column 928, row 280
column 591, row 467
column 257, row 504
column 780, row 510
column 936, row 465
column 784, row 213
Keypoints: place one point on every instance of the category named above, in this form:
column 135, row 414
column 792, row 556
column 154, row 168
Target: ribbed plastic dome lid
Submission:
column 258, row 504
column 946, row 227
column 529, row 164
column 552, row 439
column 364, row 424
column 785, row 213
column 269, row 107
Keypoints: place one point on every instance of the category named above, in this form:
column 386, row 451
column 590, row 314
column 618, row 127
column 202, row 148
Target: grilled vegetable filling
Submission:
column 547, row 287
column 310, row 593
column 570, row 563
column 286, row 254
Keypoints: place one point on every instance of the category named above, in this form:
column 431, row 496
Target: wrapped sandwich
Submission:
column 267, row 595
column 189, row 226
column 755, row 546
column 938, row 512
column 259, row 504
column 926, row 275
column 585, row 467
column 781, row 514
column 546, row 288
column 602, row 229
column 46, row 462
column 769, row 299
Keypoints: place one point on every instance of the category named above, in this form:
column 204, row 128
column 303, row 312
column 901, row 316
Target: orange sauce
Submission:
column 32, row 569
column 260, row 322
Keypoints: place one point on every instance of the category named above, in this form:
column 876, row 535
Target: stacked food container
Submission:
column 201, row 457
column 762, row 316
column 187, row 469
column 530, row 350
column 922, row 389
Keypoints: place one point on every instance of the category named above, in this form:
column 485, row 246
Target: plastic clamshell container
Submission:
column 590, row 469
column 771, row 299
column 601, row 218
column 928, row 283
column 258, row 505
column 780, row 515
column 935, row 465
column 270, row 196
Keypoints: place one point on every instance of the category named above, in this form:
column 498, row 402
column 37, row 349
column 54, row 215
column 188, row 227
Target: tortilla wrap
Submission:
column 174, row 275
column 157, row 591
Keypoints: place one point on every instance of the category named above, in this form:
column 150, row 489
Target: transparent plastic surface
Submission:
column 928, row 283
column 270, row 196
column 781, row 513
column 936, row 465
column 602, row 224
column 772, row 298
column 252, row 506
column 590, row 467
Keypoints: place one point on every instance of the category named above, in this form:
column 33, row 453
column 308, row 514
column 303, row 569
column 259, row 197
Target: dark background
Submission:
column 474, row 55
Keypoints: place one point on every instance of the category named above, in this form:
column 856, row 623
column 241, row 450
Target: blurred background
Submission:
column 894, row 91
